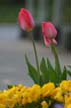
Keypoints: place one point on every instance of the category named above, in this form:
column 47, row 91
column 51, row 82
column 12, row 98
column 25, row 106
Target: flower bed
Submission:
column 36, row 96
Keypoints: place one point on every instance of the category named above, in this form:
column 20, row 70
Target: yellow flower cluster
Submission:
column 22, row 95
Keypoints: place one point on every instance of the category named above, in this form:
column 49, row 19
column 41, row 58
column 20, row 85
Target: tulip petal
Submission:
column 47, row 41
column 54, row 41
column 49, row 33
column 21, row 22
column 25, row 20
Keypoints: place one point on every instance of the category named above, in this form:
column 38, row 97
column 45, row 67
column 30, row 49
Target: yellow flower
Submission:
column 3, row 98
column 57, row 94
column 11, row 102
column 68, row 106
column 35, row 92
column 47, row 89
column 65, row 86
column 23, row 89
column 2, row 106
column 67, row 101
column 69, row 85
column 19, row 87
column 44, row 104
column 11, row 92
column 26, row 98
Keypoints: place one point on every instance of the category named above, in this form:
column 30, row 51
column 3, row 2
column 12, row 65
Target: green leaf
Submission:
column 33, row 73
column 31, row 105
column 69, row 72
column 57, row 63
column 44, row 71
column 64, row 74
column 52, row 73
column 9, row 86
column 42, row 80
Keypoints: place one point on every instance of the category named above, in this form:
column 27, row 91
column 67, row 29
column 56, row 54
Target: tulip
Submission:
column 49, row 33
column 58, row 106
column 25, row 20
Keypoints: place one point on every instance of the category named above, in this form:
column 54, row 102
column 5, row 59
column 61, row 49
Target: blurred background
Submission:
column 14, row 42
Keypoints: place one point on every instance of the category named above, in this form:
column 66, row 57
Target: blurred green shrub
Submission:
column 6, row 2
column 9, row 10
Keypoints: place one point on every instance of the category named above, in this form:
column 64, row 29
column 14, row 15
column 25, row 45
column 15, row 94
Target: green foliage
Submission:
column 69, row 70
column 9, row 86
column 52, row 72
column 57, row 63
column 33, row 73
column 45, row 72
column 32, row 105
column 64, row 74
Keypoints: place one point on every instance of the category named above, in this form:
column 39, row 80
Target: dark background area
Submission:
column 9, row 10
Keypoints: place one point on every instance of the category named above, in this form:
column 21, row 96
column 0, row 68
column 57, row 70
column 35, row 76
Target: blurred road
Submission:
column 13, row 67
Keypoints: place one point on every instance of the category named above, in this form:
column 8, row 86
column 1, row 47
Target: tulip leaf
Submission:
column 44, row 70
column 69, row 72
column 33, row 73
column 52, row 73
column 57, row 63
column 64, row 74
column 42, row 80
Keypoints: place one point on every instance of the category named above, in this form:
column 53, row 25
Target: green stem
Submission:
column 53, row 49
column 36, row 57
column 57, row 63
column 35, row 52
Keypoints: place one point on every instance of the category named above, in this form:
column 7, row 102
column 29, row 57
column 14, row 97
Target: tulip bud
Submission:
column 49, row 33
column 25, row 20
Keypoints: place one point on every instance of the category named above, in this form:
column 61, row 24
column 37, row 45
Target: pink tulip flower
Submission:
column 49, row 33
column 25, row 20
